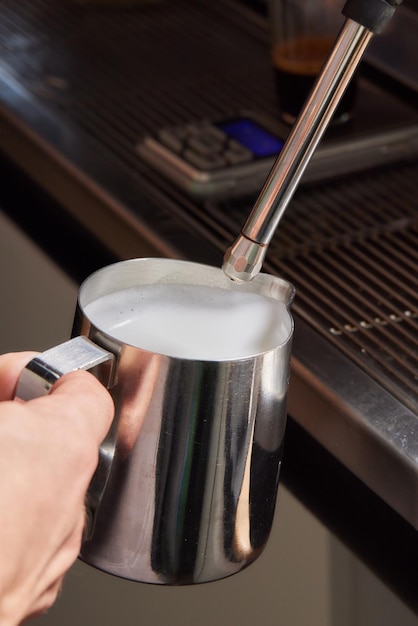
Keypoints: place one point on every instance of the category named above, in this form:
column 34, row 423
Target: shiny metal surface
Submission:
column 243, row 260
column 186, row 485
column 79, row 353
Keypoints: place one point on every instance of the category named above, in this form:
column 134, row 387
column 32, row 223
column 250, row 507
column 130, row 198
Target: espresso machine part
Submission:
column 244, row 259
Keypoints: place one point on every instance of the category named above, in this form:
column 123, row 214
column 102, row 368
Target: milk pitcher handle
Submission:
column 78, row 353
column 45, row 369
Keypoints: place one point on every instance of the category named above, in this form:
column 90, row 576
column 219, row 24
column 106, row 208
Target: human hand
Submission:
column 48, row 454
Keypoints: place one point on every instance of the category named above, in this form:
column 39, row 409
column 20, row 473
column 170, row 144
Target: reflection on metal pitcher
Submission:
column 186, row 486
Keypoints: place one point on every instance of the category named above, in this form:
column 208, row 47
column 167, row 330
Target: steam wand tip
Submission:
column 244, row 259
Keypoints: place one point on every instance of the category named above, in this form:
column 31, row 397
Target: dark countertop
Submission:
column 68, row 130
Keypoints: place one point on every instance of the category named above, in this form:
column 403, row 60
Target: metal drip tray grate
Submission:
column 119, row 74
column 351, row 250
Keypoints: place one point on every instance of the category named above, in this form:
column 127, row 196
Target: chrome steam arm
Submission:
column 364, row 18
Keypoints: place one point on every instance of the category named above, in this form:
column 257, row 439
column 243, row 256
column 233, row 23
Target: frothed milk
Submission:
column 192, row 322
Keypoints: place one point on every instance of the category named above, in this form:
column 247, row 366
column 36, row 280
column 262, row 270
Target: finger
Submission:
column 45, row 601
column 11, row 366
column 52, row 577
column 79, row 394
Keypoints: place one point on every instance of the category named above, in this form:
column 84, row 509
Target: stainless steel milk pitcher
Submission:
column 186, row 485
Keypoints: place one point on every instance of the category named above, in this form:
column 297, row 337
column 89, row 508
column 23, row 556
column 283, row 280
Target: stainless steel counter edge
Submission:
column 361, row 424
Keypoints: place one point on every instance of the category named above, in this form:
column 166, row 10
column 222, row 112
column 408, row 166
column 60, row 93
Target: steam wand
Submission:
column 244, row 259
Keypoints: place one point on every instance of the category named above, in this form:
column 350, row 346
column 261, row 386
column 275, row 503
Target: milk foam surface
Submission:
column 192, row 322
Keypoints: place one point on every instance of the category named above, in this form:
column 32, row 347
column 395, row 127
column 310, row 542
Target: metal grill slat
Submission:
column 369, row 299
column 364, row 344
column 353, row 311
column 386, row 283
column 370, row 354
column 399, row 255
